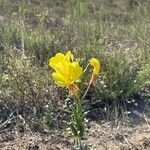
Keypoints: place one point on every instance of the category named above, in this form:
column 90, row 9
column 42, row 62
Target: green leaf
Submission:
column 74, row 129
column 81, row 130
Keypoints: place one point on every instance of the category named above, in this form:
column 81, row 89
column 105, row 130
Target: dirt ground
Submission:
column 126, row 135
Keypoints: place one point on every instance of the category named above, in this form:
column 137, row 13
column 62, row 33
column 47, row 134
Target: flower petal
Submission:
column 60, row 80
column 96, row 65
column 75, row 71
column 56, row 59
column 69, row 56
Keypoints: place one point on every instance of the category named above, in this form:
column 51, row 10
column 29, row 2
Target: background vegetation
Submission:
column 31, row 31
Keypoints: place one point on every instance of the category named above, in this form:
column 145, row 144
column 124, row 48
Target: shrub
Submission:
column 25, row 89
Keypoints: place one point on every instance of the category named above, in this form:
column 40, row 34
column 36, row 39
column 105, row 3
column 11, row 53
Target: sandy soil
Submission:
column 100, row 136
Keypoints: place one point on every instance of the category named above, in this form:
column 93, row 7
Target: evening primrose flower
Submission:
column 96, row 65
column 66, row 72
column 96, row 68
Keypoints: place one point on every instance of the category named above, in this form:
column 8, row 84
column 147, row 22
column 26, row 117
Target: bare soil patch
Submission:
column 100, row 136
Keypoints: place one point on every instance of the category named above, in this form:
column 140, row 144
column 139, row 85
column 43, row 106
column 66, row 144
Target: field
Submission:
column 34, row 112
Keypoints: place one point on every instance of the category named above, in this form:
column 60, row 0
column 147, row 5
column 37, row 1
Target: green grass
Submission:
column 115, row 31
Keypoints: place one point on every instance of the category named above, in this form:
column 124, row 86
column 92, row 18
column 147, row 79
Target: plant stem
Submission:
column 79, row 113
column 86, row 92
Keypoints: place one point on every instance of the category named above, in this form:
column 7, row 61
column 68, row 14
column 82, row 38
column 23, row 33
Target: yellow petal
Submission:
column 59, row 57
column 56, row 59
column 69, row 56
column 96, row 65
column 63, row 68
column 75, row 71
column 60, row 80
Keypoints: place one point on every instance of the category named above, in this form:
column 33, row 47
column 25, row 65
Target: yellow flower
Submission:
column 60, row 57
column 96, row 68
column 66, row 72
column 96, row 65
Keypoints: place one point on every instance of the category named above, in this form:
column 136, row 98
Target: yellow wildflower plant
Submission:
column 66, row 72
column 96, row 68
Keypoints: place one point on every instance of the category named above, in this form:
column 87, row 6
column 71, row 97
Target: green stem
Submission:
column 78, row 143
column 79, row 113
